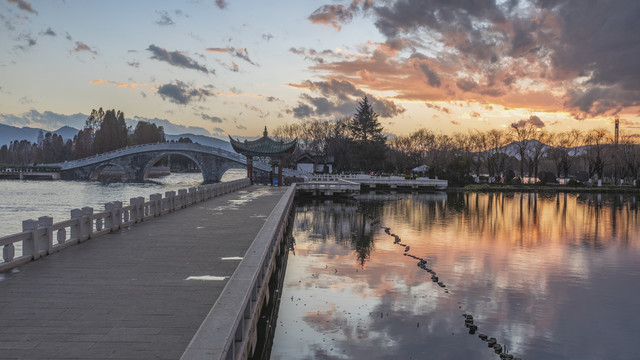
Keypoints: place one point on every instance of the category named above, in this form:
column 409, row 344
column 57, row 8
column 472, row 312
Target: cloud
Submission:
column 338, row 15
column 267, row 36
column 438, row 107
column 23, row 5
column 49, row 32
column 332, row 15
column 339, row 98
column 222, row 4
column 165, row 19
column 241, row 127
column 80, row 47
column 311, row 54
column 213, row 119
column 47, row 120
column 29, row 42
column 182, row 93
column 555, row 56
column 134, row 64
column 532, row 120
column 241, row 53
column 121, row 84
column 176, row 58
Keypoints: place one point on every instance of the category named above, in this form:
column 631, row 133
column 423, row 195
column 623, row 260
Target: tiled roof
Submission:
column 264, row 146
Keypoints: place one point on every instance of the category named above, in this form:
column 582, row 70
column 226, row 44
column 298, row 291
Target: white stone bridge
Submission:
column 137, row 161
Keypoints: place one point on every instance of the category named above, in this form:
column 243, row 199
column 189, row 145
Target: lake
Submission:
column 548, row 276
column 30, row 199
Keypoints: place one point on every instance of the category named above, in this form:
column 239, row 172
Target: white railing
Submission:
column 392, row 181
column 229, row 330
column 42, row 237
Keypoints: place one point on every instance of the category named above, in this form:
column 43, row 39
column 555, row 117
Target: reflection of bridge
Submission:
column 136, row 161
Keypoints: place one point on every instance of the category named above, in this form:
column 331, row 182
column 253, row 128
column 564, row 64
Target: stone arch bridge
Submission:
column 137, row 161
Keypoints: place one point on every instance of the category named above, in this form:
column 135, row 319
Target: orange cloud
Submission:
column 133, row 85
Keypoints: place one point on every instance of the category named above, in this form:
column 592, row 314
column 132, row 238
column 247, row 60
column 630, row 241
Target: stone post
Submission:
column 118, row 214
column 45, row 242
column 192, row 195
column 76, row 228
column 28, row 246
column 87, row 223
column 134, row 213
column 171, row 200
column 110, row 222
column 182, row 194
column 155, row 204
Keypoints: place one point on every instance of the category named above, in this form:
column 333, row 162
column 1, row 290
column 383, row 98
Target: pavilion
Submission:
column 264, row 147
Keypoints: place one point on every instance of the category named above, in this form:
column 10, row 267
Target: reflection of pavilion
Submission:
column 264, row 147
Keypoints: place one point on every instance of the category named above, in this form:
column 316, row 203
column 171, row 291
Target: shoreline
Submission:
column 545, row 188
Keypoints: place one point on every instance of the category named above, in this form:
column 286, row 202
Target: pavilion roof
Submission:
column 264, row 146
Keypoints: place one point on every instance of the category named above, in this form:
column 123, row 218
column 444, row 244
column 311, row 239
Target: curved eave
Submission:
column 263, row 146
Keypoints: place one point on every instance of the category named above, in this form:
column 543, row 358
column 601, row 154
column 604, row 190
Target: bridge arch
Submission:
column 97, row 171
column 162, row 155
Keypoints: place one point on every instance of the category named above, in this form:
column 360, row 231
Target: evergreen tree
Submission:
column 112, row 134
column 147, row 133
column 368, row 142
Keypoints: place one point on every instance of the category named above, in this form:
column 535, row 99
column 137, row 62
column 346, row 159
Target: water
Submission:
column 550, row 277
column 30, row 199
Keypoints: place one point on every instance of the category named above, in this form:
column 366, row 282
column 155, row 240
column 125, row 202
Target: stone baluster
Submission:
column 8, row 252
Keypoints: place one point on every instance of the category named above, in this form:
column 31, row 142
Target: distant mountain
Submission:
column 203, row 140
column 10, row 133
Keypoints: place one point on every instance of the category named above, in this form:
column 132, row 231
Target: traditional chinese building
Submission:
column 265, row 147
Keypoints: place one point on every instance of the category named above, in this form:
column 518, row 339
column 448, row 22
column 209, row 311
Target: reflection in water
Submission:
column 550, row 276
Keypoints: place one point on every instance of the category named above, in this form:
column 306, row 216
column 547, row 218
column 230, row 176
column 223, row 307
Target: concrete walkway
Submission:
column 126, row 295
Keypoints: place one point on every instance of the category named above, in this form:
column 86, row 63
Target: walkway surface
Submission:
column 125, row 295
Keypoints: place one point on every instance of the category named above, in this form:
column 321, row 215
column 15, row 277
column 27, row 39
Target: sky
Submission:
column 231, row 67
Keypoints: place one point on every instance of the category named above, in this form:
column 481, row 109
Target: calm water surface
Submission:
column 30, row 199
column 550, row 277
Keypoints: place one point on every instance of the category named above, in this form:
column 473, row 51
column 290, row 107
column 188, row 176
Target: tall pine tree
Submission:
column 368, row 142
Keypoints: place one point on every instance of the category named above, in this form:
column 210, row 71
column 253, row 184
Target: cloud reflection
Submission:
column 535, row 271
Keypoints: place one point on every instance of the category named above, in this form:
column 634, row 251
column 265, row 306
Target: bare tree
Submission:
column 595, row 151
column 522, row 133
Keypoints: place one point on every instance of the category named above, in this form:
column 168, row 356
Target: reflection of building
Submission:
column 264, row 147
column 314, row 163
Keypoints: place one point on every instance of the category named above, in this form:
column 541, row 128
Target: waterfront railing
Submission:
column 229, row 331
column 43, row 237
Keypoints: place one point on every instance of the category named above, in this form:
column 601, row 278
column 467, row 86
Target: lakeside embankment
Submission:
column 546, row 188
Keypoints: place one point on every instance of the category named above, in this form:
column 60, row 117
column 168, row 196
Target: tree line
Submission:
column 103, row 131
column 359, row 144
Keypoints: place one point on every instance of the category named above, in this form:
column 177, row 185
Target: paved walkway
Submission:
column 125, row 295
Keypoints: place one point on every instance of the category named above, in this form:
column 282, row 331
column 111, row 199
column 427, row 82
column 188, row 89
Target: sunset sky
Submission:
column 233, row 66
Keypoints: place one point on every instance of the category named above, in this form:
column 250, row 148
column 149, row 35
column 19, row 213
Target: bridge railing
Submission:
column 43, row 237
column 229, row 330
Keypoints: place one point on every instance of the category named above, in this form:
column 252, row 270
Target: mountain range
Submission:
column 10, row 133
